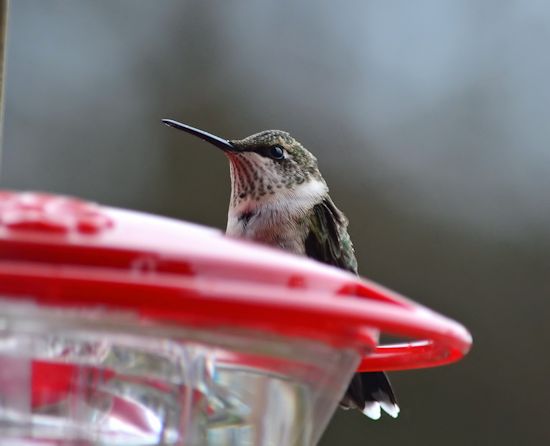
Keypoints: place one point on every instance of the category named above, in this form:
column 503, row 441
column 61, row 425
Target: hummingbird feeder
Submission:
column 122, row 328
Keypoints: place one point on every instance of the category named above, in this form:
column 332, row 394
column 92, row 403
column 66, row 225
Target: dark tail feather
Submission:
column 370, row 392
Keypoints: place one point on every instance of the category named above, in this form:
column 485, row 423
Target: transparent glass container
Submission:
column 92, row 377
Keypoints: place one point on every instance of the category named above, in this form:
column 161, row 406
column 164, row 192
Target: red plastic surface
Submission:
column 66, row 253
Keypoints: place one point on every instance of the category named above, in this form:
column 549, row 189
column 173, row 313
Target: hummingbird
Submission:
column 279, row 198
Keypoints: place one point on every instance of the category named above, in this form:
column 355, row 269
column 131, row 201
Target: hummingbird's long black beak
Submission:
column 221, row 143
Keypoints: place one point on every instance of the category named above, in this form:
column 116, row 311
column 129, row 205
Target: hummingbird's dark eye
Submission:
column 277, row 152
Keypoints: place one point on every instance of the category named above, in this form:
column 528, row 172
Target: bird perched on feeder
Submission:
column 279, row 198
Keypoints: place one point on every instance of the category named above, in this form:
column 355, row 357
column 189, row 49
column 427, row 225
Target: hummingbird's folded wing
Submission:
column 328, row 240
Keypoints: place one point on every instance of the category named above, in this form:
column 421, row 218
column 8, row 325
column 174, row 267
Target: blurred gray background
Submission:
column 430, row 120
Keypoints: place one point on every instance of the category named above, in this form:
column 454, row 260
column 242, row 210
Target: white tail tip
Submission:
column 372, row 410
column 391, row 409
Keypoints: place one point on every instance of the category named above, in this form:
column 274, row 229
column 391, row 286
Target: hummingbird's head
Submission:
column 267, row 167
column 270, row 163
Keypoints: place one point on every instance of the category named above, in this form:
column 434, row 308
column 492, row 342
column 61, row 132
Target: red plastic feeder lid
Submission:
column 67, row 253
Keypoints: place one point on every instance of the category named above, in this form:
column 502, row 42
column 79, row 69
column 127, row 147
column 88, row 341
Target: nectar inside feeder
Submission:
column 122, row 328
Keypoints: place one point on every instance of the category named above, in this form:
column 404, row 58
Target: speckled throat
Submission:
column 254, row 177
column 251, row 179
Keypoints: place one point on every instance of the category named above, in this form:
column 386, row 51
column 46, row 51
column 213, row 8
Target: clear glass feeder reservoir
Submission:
column 107, row 380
